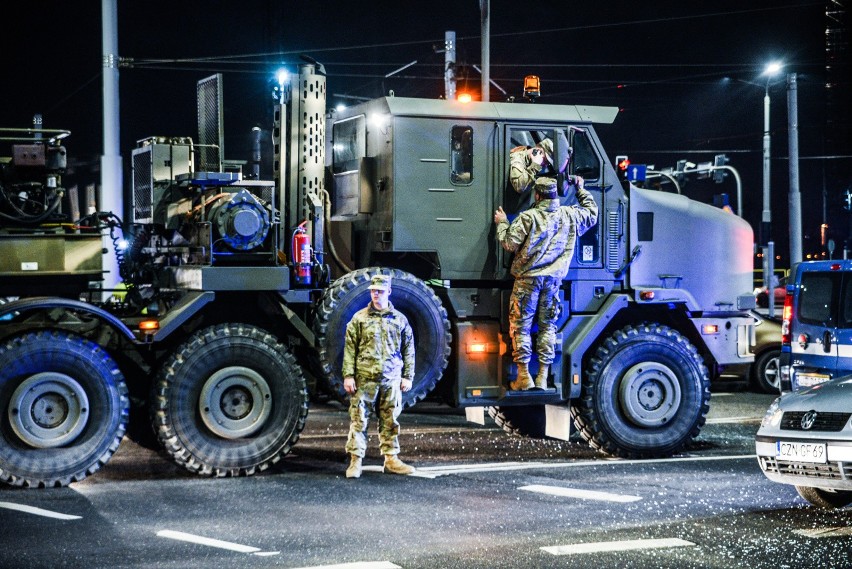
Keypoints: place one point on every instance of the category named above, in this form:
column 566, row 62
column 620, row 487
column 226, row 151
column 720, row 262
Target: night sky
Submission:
column 686, row 75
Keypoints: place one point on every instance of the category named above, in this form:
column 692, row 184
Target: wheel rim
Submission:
column 48, row 410
column 235, row 402
column 770, row 372
column 650, row 394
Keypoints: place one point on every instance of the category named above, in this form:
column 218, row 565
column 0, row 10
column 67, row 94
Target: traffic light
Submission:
column 719, row 175
column 621, row 164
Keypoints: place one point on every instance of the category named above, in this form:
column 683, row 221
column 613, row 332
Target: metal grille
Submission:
column 210, row 130
column 612, row 239
column 313, row 133
column 830, row 471
column 143, row 185
column 826, row 422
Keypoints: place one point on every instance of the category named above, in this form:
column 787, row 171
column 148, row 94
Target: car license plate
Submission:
column 811, row 379
column 800, row 452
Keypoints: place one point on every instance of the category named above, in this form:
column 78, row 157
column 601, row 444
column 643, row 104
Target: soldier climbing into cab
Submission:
column 542, row 239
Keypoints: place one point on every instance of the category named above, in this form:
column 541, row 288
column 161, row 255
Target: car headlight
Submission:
column 773, row 414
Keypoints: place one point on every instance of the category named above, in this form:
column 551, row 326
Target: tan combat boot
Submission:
column 395, row 466
column 541, row 377
column 354, row 470
column 524, row 380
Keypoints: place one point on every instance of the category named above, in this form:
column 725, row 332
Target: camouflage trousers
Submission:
column 385, row 400
column 533, row 296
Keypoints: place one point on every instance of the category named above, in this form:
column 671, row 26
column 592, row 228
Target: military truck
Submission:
column 235, row 288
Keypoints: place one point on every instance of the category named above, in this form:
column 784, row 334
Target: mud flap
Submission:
column 557, row 422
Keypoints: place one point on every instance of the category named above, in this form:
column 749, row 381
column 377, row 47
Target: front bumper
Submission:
column 836, row 473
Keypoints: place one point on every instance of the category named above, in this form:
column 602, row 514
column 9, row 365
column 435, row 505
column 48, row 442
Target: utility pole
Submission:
column 111, row 194
column 485, row 18
column 795, row 195
column 450, row 65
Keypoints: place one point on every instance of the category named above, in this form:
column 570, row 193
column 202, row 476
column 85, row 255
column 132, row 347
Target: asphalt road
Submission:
column 480, row 499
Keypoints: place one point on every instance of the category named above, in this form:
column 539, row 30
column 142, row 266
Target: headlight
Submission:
column 773, row 414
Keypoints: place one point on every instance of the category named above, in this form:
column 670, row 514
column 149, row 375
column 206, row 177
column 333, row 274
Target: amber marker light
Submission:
column 646, row 295
column 464, row 98
column 710, row 329
column 149, row 326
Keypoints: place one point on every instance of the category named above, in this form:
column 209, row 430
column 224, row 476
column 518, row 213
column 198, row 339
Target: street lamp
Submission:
column 768, row 246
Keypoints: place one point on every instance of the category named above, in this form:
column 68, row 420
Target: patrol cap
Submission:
column 547, row 146
column 380, row 282
column 546, row 188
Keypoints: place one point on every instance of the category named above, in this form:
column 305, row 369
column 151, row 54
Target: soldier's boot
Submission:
column 354, row 470
column 541, row 377
column 395, row 466
column 524, row 380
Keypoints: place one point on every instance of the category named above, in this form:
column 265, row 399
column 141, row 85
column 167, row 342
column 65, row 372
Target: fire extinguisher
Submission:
column 301, row 254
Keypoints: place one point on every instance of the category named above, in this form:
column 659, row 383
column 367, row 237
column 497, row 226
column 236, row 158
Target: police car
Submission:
column 816, row 328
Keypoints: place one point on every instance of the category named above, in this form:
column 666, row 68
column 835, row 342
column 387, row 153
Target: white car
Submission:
column 805, row 440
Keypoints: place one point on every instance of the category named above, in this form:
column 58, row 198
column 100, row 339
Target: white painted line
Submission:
column 608, row 546
column 409, row 431
column 38, row 511
column 266, row 553
column 181, row 536
column 577, row 493
column 733, row 420
column 435, row 471
column 824, row 532
column 357, row 565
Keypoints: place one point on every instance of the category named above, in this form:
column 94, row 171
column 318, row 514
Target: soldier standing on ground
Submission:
column 378, row 365
column 542, row 239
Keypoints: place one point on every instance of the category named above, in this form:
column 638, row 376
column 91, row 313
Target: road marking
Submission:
column 732, row 420
column 435, row 471
column 409, row 431
column 608, row 546
column 38, row 511
column 577, row 493
column 357, row 565
column 824, row 532
column 201, row 540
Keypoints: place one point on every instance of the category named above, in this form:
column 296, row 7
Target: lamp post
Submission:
column 768, row 248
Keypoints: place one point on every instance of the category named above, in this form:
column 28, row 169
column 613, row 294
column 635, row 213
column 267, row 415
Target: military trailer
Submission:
column 235, row 288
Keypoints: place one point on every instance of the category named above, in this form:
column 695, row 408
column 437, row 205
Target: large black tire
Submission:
column 231, row 401
column 63, row 409
column 646, row 393
column 521, row 420
column 410, row 295
column 825, row 498
column 765, row 372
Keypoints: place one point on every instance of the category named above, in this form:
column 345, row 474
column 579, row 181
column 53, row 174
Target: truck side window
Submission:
column 349, row 144
column 461, row 154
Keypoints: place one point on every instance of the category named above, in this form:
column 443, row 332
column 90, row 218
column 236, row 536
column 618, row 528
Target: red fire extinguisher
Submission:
column 301, row 253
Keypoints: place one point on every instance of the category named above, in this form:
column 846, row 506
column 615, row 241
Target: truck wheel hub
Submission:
column 650, row 394
column 235, row 402
column 48, row 410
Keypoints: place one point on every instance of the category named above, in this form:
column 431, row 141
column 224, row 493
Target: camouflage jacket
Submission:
column 379, row 345
column 522, row 170
column 543, row 236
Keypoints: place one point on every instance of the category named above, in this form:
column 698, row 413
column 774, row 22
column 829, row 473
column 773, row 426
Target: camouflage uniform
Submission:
column 379, row 353
column 522, row 170
column 542, row 239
